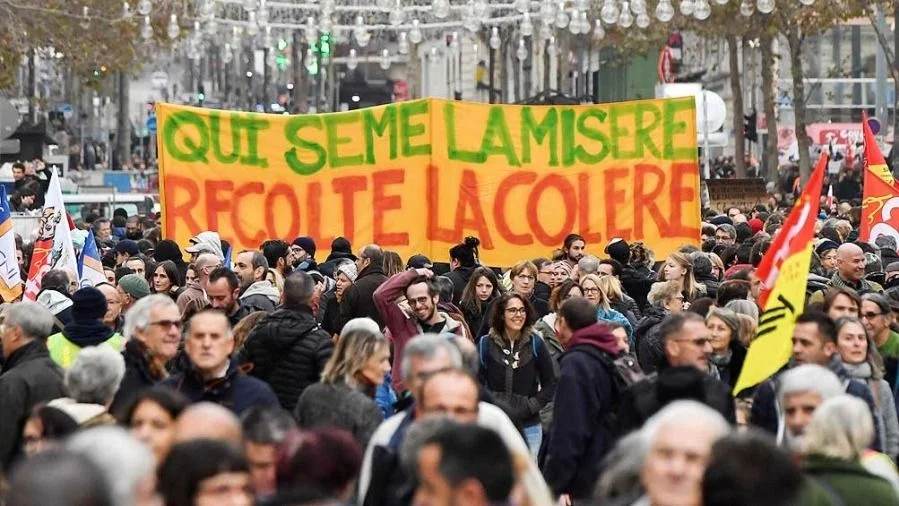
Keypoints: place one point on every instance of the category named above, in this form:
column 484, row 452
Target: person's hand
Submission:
column 428, row 273
column 564, row 500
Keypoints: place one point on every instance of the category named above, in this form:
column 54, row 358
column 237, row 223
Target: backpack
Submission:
column 484, row 342
column 624, row 370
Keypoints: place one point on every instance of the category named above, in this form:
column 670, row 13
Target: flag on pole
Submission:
column 11, row 285
column 53, row 246
column 881, row 192
column 783, row 273
column 90, row 269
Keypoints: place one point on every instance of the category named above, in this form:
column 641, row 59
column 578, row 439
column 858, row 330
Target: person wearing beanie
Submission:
column 619, row 251
column 340, row 250
column 85, row 329
column 303, row 249
column 756, row 225
column 132, row 287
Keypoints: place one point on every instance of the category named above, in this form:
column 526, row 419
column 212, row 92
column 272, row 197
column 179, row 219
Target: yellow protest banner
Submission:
column 418, row 176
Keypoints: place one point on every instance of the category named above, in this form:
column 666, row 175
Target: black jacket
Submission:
column 29, row 377
column 540, row 305
column 358, row 299
column 460, row 278
column 636, row 284
column 288, row 351
column 327, row 268
column 138, row 377
column 649, row 343
column 647, row 397
column 711, row 284
column 236, row 391
column 586, row 396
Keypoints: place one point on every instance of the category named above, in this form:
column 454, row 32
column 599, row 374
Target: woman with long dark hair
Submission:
column 483, row 288
column 463, row 260
column 166, row 279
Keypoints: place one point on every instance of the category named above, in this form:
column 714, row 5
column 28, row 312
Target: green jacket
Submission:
column 849, row 481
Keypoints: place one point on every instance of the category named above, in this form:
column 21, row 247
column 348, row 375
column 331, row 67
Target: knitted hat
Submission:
column 127, row 246
column 135, row 286
column 619, row 250
column 88, row 304
column 340, row 244
column 756, row 225
column 348, row 269
column 306, row 243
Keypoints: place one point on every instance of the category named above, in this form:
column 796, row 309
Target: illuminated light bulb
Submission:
column 385, row 60
column 702, row 10
column 638, row 6
column 598, row 32
column 522, row 52
column 686, row 7
column 402, row 46
column 311, row 31
column 609, row 12
column 144, row 7
column 765, row 6
column 415, row 33
column 495, row 41
column 642, row 20
column 352, row 61
column 440, row 8
column 807, row 2
column 454, row 43
column 396, row 15
column 625, row 19
column 480, row 9
column 575, row 25
column 249, row 5
column 173, row 29
column 561, row 17
column 664, row 11
column 526, row 28
column 724, row 2
column 227, row 54
column 545, row 32
column 522, row 6
column 252, row 26
column 146, row 31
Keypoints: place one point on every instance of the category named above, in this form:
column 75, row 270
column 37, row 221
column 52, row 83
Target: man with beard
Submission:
column 132, row 229
column 573, row 248
column 801, row 390
column 256, row 293
column 303, row 249
column 423, row 294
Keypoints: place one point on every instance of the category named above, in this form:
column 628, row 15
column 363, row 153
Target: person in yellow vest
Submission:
column 85, row 329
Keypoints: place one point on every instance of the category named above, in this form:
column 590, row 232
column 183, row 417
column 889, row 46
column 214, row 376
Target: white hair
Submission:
column 842, row 428
column 365, row 324
column 680, row 411
column 95, row 375
column 427, row 346
column 743, row 306
column 138, row 315
column 35, row 320
column 124, row 461
column 809, row 378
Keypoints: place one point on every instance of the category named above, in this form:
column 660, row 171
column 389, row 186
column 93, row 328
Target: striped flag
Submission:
column 90, row 269
column 783, row 273
column 11, row 285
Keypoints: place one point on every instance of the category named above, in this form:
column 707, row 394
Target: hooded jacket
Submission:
column 460, row 278
column 650, row 352
column 29, row 377
column 402, row 328
column 288, row 350
column 585, row 395
column 207, row 242
column 260, row 296
column 59, row 304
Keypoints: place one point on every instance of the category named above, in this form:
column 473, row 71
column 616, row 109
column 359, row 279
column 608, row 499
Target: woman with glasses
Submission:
column 516, row 365
column 591, row 286
column 523, row 280
column 864, row 364
column 664, row 298
column 482, row 289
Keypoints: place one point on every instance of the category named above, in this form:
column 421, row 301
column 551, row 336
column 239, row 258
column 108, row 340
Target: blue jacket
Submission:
column 767, row 414
column 236, row 391
column 385, row 397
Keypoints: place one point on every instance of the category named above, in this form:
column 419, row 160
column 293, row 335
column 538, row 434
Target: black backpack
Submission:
column 624, row 370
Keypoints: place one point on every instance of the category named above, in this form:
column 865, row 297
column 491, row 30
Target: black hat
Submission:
column 88, row 304
column 127, row 246
column 340, row 244
column 419, row 262
column 825, row 245
column 619, row 250
column 308, row 244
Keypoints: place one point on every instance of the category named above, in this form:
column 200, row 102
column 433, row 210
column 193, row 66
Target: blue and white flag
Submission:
column 90, row 269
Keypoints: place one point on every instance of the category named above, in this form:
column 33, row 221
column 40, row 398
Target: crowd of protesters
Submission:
column 599, row 374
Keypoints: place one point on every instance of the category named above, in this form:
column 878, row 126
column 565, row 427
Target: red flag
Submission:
column 881, row 192
column 797, row 232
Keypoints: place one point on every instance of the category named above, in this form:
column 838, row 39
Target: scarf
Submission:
column 722, row 361
column 860, row 371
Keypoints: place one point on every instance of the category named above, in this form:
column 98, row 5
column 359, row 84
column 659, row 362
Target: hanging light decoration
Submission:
column 664, row 11
column 211, row 27
column 352, row 61
column 746, row 8
column 311, row 63
column 440, row 9
column 252, row 25
column 702, row 10
column 146, row 31
column 547, row 12
column 311, row 31
column 686, row 7
column 454, row 43
column 526, row 28
column 397, row 15
column 575, row 25
column 249, row 5
column 522, row 6
column 551, row 47
column 480, row 9
column 384, row 63
column 402, row 45
column 415, row 33
column 765, row 6
column 609, row 12
column 545, row 32
column 227, row 54
column 638, row 6
column 144, row 7
column 494, row 41
column 598, row 32
column 642, row 20
column 522, row 52
column 561, row 17
column 807, row 2
column 360, row 33
column 625, row 18
column 724, row 2
column 173, row 29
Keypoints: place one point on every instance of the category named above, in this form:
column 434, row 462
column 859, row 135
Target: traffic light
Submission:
column 749, row 126
column 201, row 95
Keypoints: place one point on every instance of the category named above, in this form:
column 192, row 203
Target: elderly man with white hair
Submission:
column 800, row 391
column 92, row 382
column 679, row 439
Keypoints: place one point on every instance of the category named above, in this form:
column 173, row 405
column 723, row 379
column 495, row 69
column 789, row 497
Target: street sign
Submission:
column 874, row 123
column 151, row 124
column 67, row 111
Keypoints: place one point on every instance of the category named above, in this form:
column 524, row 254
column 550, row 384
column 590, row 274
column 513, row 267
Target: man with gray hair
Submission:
column 289, row 350
column 725, row 234
column 588, row 264
column 127, row 464
column 92, row 382
column 152, row 331
column 29, row 375
column 800, row 391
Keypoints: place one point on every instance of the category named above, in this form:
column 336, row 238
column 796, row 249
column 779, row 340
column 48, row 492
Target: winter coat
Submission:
column 29, row 378
column 610, row 315
column 475, row 313
column 188, row 295
column 139, row 376
column 849, row 481
column 288, row 350
column 64, row 346
column 649, row 348
column 622, row 307
column 59, row 304
column 330, row 265
column 459, row 278
column 884, row 405
column 260, row 296
column 236, row 391
column 711, row 284
column 329, row 312
column 632, row 307
column 523, row 388
column 767, row 413
column 729, row 367
column 586, row 396
column 647, row 397
column 337, row 405
column 358, row 300
column 402, row 328
column 636, row 284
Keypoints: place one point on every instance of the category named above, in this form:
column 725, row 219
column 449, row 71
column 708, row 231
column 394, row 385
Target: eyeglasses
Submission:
column 421, row 301
column 698, row 341
column 871, row 315
column 165, row 324
column 516, row 310
column 590, row 290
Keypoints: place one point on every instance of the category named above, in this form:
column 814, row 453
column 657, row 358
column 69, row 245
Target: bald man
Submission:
column 207, row 420
column 851, row 270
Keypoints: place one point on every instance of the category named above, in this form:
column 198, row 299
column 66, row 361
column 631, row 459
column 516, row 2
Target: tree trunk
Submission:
column 736, row 92
column 795, row 40
column 768, row 97
column 123, row 124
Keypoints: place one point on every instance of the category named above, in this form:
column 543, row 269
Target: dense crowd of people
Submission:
column 597, row 375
